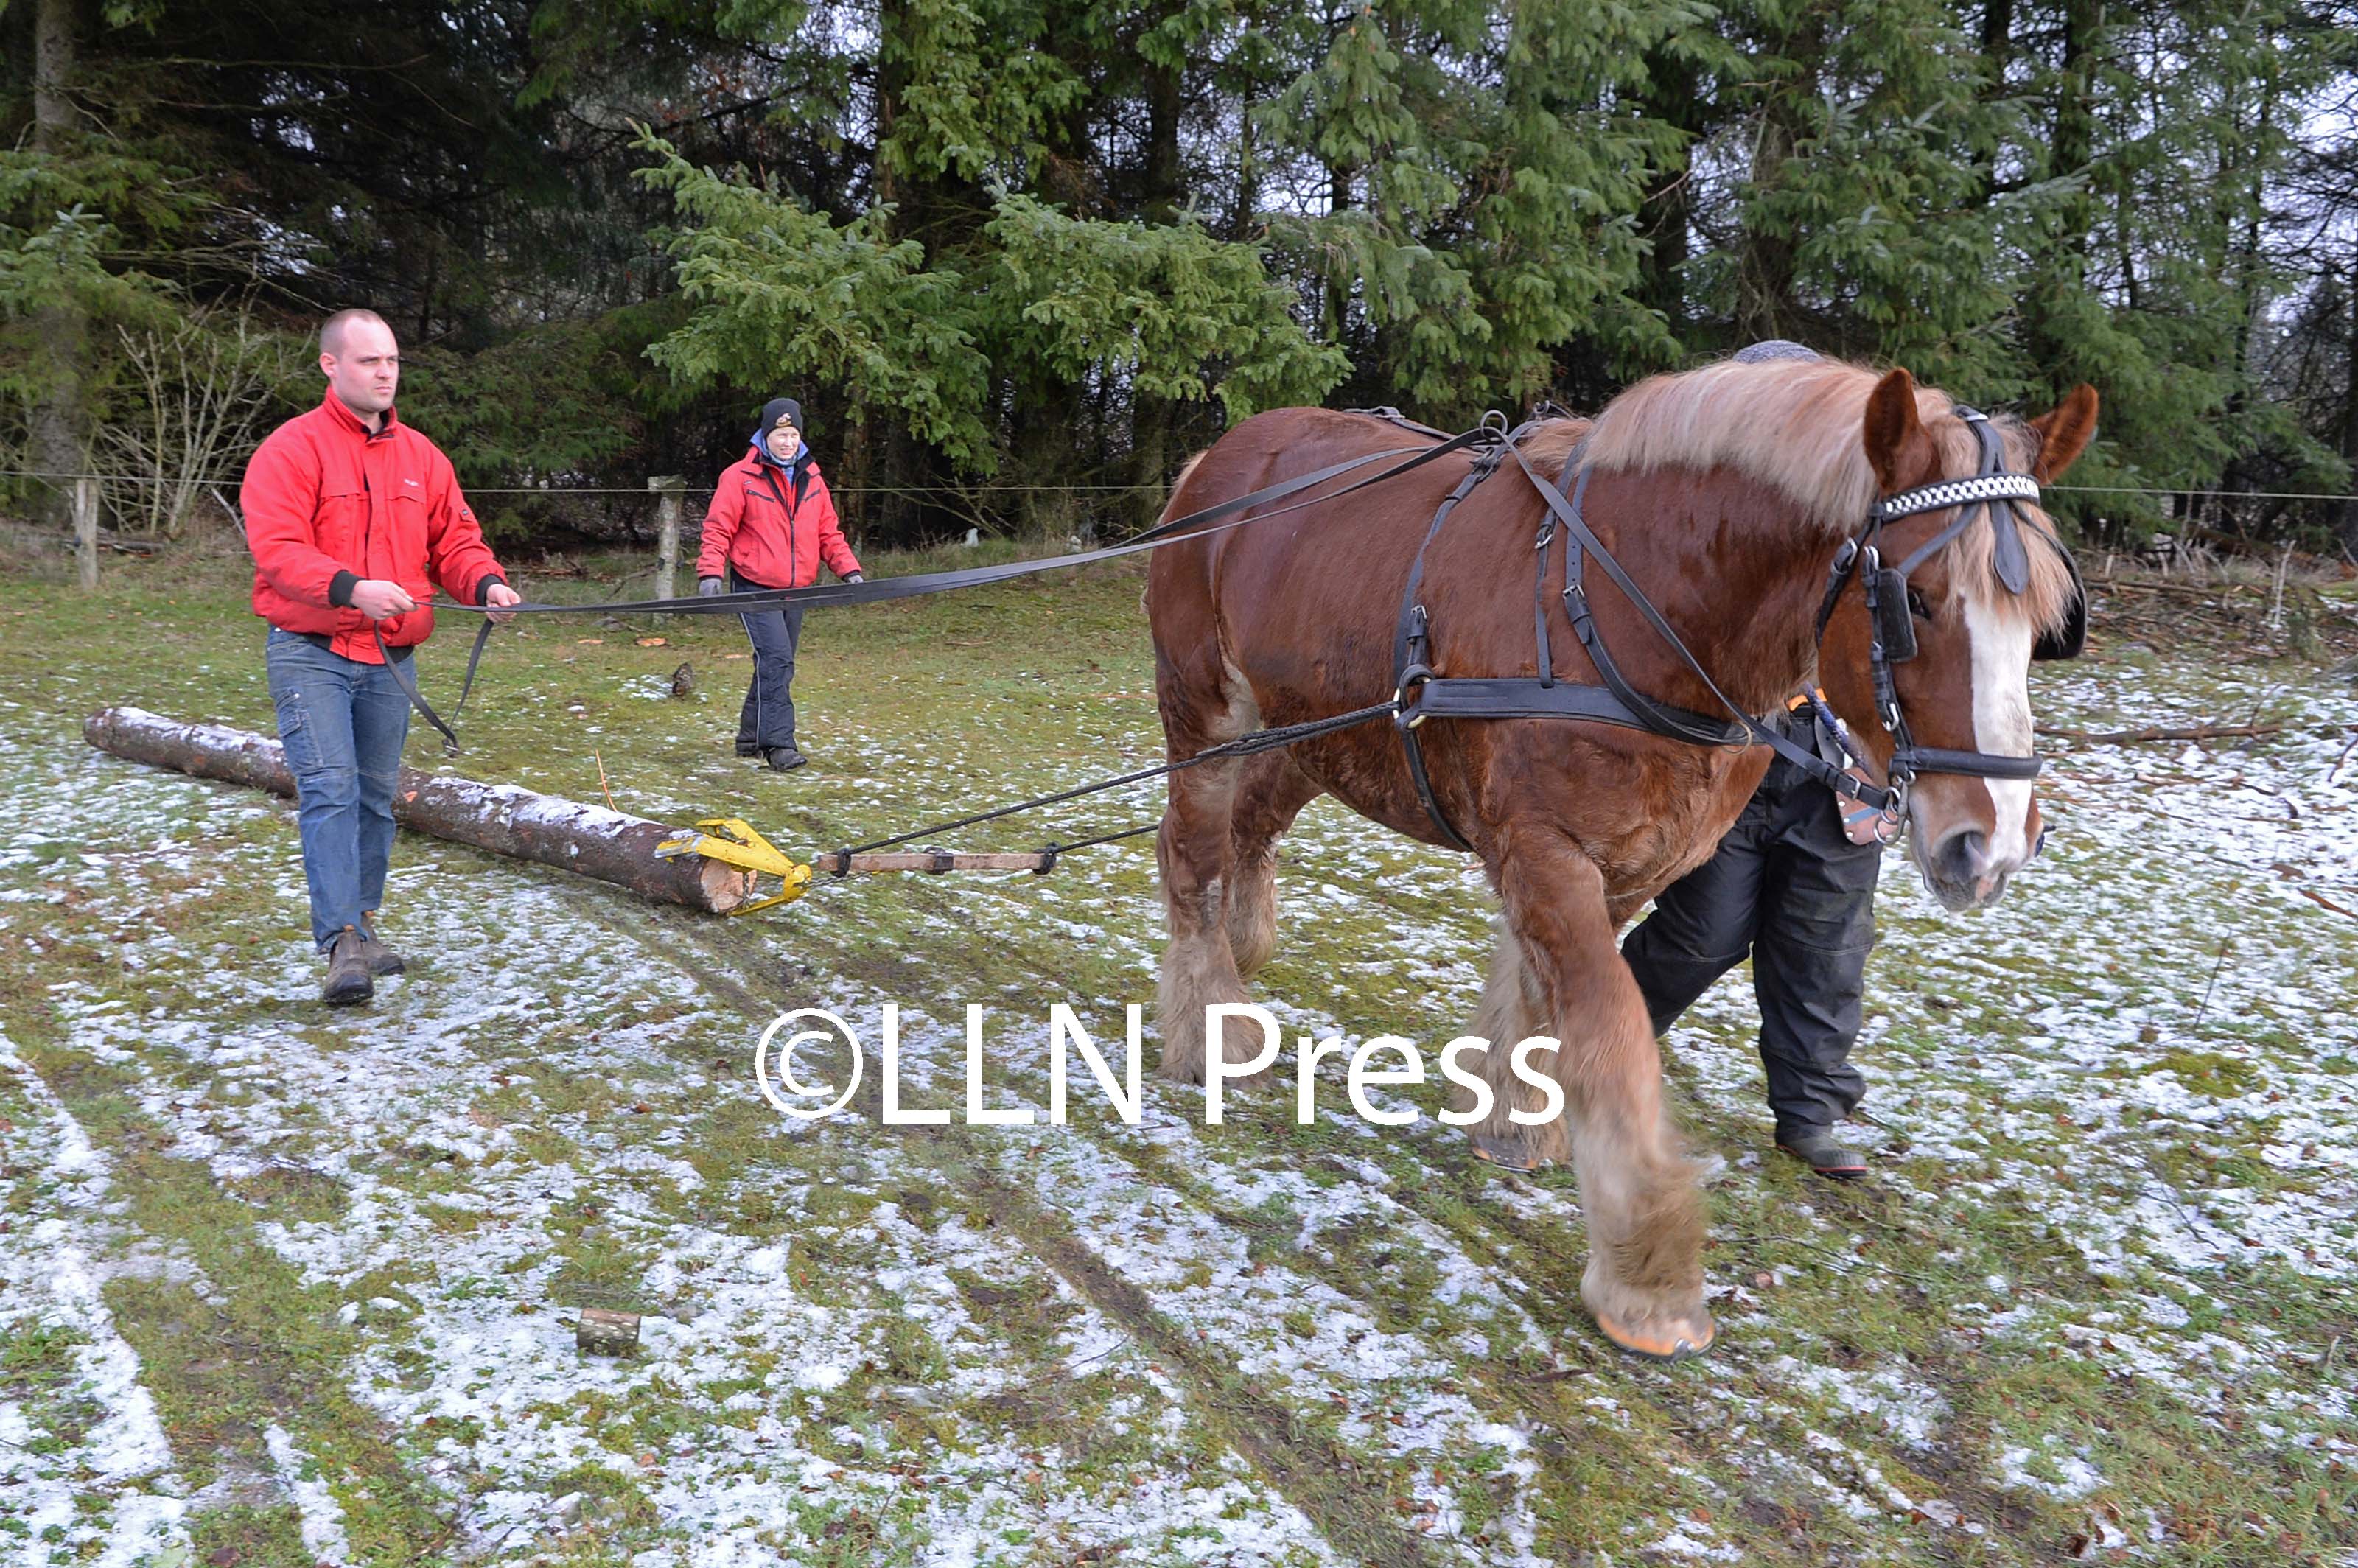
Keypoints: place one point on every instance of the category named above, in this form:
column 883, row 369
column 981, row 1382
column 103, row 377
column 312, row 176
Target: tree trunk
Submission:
column 1672, row 96
column 1153, row 418
column 1997, row 40
column 2062, row 275
column 1244, row 219
column 2247, row 261
column 1165, row 101
column 941, row 212
column 1997, row 49
column 1764, row 305
column 2350, row 406
column 1046, row 415
column 502, row 818
column 60, row 424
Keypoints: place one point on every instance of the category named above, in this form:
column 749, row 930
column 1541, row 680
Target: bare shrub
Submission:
column 202, row 394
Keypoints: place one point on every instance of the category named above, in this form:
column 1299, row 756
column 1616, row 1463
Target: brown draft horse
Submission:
column 1725, row 492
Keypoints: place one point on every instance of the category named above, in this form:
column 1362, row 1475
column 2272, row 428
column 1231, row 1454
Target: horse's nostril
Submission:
column 1962, row 856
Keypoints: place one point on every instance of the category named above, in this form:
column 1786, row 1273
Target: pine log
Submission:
column 502, row 818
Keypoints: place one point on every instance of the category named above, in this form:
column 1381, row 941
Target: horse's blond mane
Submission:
column 1796, row 426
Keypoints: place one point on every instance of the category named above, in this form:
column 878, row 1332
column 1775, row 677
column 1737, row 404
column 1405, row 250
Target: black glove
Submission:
column 706, row 586
column 857, row 576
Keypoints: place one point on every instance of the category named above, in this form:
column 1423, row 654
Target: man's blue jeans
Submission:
column 342, row 723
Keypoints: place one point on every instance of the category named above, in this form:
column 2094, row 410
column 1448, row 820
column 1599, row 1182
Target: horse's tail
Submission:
column 1171, row 505
column 1179, row 482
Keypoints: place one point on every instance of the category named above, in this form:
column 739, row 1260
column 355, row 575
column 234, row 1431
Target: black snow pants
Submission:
column 1787, row 888
column 767, row 717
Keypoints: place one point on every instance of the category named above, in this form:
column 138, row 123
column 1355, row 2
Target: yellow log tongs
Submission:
column 733, row 841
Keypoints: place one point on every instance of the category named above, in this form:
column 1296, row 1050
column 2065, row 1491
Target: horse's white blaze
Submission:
column 2001, row 645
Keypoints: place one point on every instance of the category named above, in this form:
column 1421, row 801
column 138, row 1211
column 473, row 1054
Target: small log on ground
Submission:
column 503, row 818
column 599, row 1332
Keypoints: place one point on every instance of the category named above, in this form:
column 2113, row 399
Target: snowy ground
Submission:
column 299, row 1287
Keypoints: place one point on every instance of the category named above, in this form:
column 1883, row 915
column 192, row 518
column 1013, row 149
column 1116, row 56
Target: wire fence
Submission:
column 558, row 492
column 2274, row 526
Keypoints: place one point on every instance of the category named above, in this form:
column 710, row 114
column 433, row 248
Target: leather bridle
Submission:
column 1993, row 491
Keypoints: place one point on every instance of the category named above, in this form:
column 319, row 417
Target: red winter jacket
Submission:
column 770, row 544
column 327, row 503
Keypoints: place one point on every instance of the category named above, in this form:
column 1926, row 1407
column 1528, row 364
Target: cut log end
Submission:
column 725, row 887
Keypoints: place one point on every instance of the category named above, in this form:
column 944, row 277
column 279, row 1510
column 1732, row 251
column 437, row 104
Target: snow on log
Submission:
column 502, row 818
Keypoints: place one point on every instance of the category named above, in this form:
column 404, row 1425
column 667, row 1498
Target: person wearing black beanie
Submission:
column 771, row 525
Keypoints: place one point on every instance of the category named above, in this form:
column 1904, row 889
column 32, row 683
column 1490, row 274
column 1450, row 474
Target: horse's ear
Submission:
column 2064, row 433
column 1896, row 442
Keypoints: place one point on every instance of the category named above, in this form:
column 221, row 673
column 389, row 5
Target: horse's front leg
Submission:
column 1644, row 1279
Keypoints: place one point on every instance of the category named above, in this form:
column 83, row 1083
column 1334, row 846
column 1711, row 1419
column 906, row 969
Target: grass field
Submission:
column 282, row 1286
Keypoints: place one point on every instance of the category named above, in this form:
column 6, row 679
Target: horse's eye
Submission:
column 1916, row 605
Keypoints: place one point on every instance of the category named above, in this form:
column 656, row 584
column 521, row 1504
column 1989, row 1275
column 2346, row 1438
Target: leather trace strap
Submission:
column 1195, row 525
column 1421, row 695
column 407, row 680
column 1741, row 728
column 1200, row 524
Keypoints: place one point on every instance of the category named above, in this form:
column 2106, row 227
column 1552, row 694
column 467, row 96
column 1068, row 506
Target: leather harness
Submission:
column 1421, row 694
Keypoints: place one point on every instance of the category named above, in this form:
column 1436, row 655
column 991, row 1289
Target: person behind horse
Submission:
column 771, row 523
column 354, row 518
column 1788, row 886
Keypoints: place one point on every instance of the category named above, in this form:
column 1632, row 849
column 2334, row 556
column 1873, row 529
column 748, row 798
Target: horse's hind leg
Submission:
column 1270, row 796
column 1195, row 853
column 1644, row 1279
column 1514, row 1006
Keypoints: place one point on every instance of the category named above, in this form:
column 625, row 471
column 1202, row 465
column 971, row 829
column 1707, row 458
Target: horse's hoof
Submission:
column 1668, row 1342
column 1509, row 1154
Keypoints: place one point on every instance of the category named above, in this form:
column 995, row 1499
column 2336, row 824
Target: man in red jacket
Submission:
column 771, row 525
column 353, row 519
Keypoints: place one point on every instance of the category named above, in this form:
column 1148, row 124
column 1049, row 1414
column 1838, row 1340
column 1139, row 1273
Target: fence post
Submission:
column 669, row 488
column 85, row 521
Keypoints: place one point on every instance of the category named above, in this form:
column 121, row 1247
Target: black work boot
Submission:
column 347, row 971
column 1818, row 1147
column 382, row 959
column 749, row 748
column 784, row 757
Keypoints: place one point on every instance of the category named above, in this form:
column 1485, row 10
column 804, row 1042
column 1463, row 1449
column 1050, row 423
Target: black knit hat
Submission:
column 781, row 407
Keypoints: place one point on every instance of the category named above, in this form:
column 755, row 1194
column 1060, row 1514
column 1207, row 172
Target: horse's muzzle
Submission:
column 1960, row 871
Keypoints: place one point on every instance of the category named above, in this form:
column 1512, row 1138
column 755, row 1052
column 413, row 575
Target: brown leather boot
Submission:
column 348, row 972
column 382, row 959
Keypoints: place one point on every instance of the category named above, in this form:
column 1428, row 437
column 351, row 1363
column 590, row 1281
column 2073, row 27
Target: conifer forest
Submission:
column 1018, row 259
